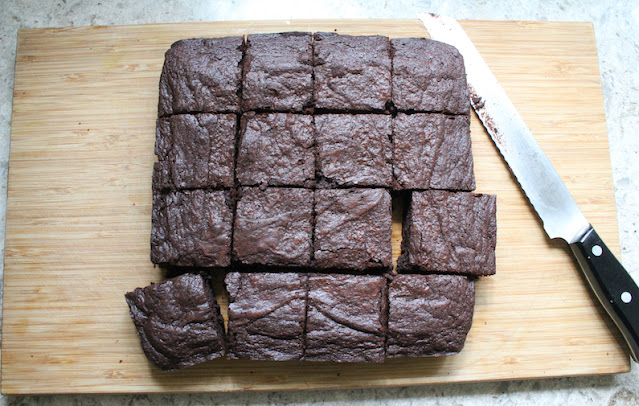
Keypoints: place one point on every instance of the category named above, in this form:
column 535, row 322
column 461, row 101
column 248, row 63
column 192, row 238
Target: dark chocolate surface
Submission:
column 346, row 319
column 351, row 72
column 353, row 229
column 449, row 232
column 276, row 149
column 195, row 151
column 432, row 151
column 354, row 150
column 428, row 315
column 178, row 322
column 201, row 75
column 278, row 72
column 267, row 313
column 429, row 76
column 274, row 226
column 192, row 228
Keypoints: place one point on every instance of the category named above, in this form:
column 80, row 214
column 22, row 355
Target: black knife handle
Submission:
column 614, row 287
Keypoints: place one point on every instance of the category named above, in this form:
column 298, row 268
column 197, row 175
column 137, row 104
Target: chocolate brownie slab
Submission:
column 201, row 75
column 274, row 226
column 178, row 322
column 428, row 315
column 267, row 312
column 278, row 72
column 449, row 232
column 354, row 150
column 195, row 151
column 346, row 319
column 192, row 228
column 353, row 229
column 428, row 76
column 351, row 72
column 276, row 149
column 432, row 151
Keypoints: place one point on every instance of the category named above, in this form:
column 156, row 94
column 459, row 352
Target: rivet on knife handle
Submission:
column 543, row 186
column 615, row 289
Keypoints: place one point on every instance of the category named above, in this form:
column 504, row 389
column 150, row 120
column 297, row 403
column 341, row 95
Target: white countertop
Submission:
column 617, row 34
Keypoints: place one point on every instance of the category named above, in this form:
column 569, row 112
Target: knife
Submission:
column 612, row 284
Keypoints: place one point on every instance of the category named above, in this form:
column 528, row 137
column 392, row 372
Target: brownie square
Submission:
column 449, row 232
column 278, row 72
column 432, row 151
column 428, row 315
column 351, row 72
column 195, row 151
column 353, row 229
column 429, row 76
column 276, row 150
column 354, row 150
column 192, row 228
column 346, row 318
column 201, row 75
column 267, row 312
column 178, row 322
column 274, row 226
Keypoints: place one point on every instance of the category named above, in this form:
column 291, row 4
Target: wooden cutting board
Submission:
column 79, row 216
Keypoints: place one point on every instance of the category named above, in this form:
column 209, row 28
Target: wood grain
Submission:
column 79, row 204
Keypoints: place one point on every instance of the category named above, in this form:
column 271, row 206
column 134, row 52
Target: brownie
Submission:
column 432, row 151
column 346, row 318
column 276, row 150
column 353, row 229
column 201, row 75
column 178, row 322
column 428, row 76
column 278, row 72
column 195, row 151
column 428, row 315
column 267, row 312
column 351, row 72
column 192, row 228
column 274, row 226
column 449, row 232
column 354, row 150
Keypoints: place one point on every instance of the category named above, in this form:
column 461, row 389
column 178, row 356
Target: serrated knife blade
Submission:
column 541, row 183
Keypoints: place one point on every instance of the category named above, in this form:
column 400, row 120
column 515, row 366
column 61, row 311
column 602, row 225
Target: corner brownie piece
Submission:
column 192, row 228
column 276, row 150
column 178, row 322
column 353, row 229
column 347, row 318
column 351, row 72
column 428, row 315
column 432, row 151
column 429, row 76
column 278, row 72
column 201, row 75
column 449, row 232
column 267, row 312
column 354, row 150
column 274, row 226
column 194, row 151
